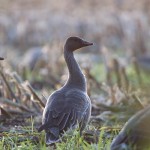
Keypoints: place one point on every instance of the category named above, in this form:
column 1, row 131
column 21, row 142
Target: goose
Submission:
column 135, row 132
column 69, row 106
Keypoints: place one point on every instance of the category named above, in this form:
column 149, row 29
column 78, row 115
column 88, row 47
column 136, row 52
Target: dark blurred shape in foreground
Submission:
column 136, row 132
column 1, row 58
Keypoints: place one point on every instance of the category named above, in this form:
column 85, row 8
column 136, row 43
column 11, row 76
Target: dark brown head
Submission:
column 1, row 58
column 74, row 43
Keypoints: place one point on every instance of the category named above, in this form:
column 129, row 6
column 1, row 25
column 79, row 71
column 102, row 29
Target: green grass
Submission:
column 98, row 71
column 29, row 139
column 73, row 141
column 26, row 141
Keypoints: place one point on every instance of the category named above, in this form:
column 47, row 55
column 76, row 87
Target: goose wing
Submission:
column 65, row 110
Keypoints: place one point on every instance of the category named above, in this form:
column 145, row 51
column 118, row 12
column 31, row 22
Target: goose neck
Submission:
column 76, row 78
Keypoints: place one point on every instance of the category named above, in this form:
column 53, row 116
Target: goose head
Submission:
column 74, row 43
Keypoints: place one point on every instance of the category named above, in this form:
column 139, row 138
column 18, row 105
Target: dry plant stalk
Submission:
column 139, row 104
column 91, row 80
column 35, row 95
column 9, row 102
column 137, row 70
column 5, row 112
column 117, row 72
column 124, row 78
column 8, row 86
column 108, row 65
column 108, row 77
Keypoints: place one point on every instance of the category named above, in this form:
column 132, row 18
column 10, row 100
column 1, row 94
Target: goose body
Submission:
column 136, row 132
column 70, row 105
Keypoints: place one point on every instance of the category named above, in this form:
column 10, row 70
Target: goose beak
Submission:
column 87, row 43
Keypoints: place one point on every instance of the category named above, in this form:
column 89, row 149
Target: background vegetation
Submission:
column 117, row 67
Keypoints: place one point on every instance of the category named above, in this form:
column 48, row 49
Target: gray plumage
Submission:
column 136, row 132
column 70, row 105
